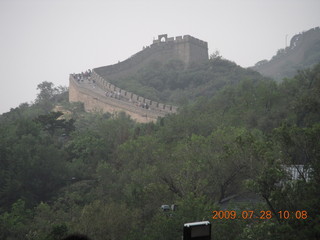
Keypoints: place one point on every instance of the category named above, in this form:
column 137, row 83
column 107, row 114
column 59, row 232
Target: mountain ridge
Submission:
column 303, row 52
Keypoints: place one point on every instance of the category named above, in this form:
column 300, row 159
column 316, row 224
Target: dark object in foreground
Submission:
column 76, row 237
column 197, row 231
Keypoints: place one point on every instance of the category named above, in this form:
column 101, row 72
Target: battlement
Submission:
column 186, row 48
column 163, row 39
column 95, row 96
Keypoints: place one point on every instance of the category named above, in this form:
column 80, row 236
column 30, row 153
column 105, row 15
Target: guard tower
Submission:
column 186, row 48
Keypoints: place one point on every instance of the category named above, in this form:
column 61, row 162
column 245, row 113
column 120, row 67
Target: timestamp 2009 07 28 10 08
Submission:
column 250, row 214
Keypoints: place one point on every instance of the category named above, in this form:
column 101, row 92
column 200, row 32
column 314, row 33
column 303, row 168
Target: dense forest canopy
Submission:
column 107, row 176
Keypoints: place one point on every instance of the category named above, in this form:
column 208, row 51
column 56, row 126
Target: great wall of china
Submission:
column 97, row 93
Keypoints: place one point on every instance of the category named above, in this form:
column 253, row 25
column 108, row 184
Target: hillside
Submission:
column 172, row 83
column 107, row 176
column 303, row 52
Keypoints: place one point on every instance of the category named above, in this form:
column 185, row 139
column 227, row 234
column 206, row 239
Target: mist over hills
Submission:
column 303, row 52
column 106, row 175
column 172, row 83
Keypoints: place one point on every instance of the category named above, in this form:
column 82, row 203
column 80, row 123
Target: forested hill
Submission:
column 172, row 83
column 106, row 176
column 303, row 52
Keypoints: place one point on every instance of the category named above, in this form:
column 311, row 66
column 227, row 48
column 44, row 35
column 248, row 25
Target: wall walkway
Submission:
column 99, row 95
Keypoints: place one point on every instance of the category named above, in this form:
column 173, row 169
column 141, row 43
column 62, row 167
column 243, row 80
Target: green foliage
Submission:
column 173, row 83
column 50, row 95
column 52, row 122
column 31, row 165
column 107, row 220
column 13, row 224
column 106, row 176
column 169, row 225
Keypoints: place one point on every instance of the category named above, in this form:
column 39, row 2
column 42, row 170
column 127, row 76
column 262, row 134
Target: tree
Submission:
column 292, row 146
column 53, row 122
column 215, row 55
column 49, row 95
column 14, row 224
column 111, row 220
column 32, row 167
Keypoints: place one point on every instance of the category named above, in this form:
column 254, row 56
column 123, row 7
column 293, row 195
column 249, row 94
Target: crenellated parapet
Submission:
column 93, row 94
column 163, row 39
column 99, row 93
column 131, row 97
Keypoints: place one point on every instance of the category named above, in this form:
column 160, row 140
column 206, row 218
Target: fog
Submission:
column 44, row 40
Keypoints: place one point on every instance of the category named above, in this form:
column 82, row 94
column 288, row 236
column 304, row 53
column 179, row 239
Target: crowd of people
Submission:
column 113, row 94
column 80, row 77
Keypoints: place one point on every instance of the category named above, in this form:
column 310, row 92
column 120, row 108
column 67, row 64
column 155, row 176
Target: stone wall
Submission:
column 94, row 101
column 185, row 48
column 109, row 87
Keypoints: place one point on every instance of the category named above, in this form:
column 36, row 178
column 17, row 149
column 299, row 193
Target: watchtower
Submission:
column 185, row 48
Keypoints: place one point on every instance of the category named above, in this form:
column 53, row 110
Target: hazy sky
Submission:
column 46, row 40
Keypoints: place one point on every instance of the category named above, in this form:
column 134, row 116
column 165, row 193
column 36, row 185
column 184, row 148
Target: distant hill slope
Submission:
column 172, row 83
column 303, row 52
